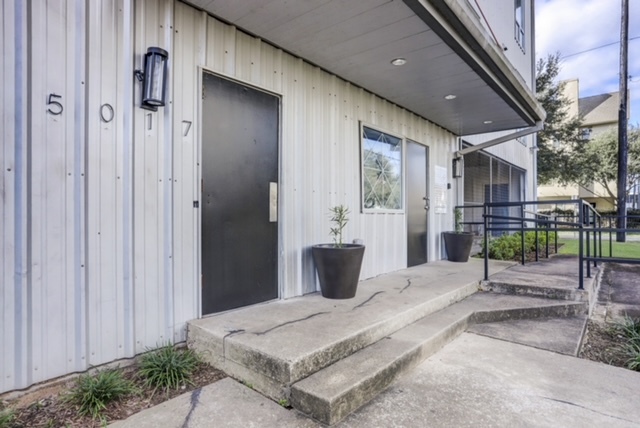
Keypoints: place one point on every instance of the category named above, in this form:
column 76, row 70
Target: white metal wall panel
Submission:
column 55, row 192
column 151, row 171
column 14, row 371
column 189, row 51
column 109, row 297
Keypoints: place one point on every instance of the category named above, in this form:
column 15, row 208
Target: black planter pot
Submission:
column 338, row 269
column 458, row 245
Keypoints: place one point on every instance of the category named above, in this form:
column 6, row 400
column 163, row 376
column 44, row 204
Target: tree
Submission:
column 599, row 161
column 561, row 138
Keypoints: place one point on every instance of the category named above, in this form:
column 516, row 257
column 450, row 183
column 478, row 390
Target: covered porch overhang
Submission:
column 455, row 74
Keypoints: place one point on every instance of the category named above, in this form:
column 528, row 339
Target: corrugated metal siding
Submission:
column 100, row 240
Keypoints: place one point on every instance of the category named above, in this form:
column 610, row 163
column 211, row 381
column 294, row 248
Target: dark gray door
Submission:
column 239, row 199
column 417, row 202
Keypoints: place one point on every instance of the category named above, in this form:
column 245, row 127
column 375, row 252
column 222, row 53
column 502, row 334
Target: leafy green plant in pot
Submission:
column 458, row 243
column 338, row 264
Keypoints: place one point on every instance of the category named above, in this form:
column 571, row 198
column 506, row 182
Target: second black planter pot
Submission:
column 458, row 245
column 338, row 269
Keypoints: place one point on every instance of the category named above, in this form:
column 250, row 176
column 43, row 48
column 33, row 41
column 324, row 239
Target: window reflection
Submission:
column 381, row 170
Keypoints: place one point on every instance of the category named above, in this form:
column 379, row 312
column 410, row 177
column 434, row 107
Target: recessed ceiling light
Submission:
column 450, row 97
column 486, row 122
column 399, row 61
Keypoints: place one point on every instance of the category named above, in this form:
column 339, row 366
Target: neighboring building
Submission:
column 121, row 223
column 599, row 114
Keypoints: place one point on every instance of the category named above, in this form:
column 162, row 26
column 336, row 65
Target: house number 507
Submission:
column 57, row 107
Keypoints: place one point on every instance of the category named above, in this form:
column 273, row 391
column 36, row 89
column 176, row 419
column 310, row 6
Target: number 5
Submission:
column 55, row 103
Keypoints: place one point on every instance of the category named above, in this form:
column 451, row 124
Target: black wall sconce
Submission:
column 458, row 166
column 153, row 78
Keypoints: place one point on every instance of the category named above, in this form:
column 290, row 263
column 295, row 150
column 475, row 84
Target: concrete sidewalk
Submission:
column 473, row 381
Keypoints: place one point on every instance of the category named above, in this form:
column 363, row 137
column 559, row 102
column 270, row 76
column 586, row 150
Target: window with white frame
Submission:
column 519, row 22
column 381, row 171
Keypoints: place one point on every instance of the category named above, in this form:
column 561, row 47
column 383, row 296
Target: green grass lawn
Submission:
column 620, row 249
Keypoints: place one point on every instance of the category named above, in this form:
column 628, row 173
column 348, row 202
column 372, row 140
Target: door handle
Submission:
column 426, row 203
column 273, row 202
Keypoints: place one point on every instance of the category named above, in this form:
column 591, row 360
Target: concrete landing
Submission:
column 561, row 335
column 554, row 278
column 619, row 293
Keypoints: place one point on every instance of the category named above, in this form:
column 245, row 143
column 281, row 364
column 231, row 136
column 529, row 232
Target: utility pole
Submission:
column 623, row 148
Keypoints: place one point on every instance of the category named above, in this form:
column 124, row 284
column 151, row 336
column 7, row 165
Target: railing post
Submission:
column 595, row 240
column 600, row 236
column 588, row 248
column 522, row 232
column 486, row 243
column 555, row 239
column 580, row 247
column 547, row 238
column 610, row 240
column 536, row 237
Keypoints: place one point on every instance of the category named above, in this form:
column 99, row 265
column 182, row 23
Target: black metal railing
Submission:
column 499, row 218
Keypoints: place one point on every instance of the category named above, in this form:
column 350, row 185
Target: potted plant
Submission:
column 338, row 264
column 458, row 244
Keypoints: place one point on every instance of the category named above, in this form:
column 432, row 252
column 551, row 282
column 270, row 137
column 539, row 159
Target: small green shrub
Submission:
column 558, row 211
column 92, row 393
column 339, row 219
column 509, row 247
column 168, row 367
column 457, row 219
column 6, row 418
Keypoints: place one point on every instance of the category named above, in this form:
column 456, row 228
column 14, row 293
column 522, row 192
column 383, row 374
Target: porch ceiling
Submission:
column 446, row 49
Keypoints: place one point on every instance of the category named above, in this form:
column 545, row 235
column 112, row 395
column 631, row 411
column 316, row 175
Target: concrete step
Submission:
column 559, row 335
column 332, row 393
column 274, row 345
column 274, row 356
column 534, row 289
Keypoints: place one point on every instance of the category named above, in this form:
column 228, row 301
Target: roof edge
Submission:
column 479, row 53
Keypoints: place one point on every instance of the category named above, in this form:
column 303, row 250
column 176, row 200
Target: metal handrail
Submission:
column 588, row 226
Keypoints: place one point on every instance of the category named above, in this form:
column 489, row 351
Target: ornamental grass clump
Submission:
column 168, row 367
column 630, row 329
column 6, row 418
column 92, row 393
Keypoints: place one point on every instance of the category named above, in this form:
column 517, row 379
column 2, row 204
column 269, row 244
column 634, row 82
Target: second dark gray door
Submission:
column 417, row 203
column 240, row 175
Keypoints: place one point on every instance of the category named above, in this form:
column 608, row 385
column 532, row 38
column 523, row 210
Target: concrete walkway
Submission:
column 497, row 374
column 474, row 381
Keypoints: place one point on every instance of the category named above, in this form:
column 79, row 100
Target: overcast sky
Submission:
column 573, row 26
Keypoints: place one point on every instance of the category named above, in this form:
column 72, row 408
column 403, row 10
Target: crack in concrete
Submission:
column 368, row 300
column 232, row 332
column 262, row 333
column 195, row 400
column 586, row 408
column 224, row 341
column 406, row 286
